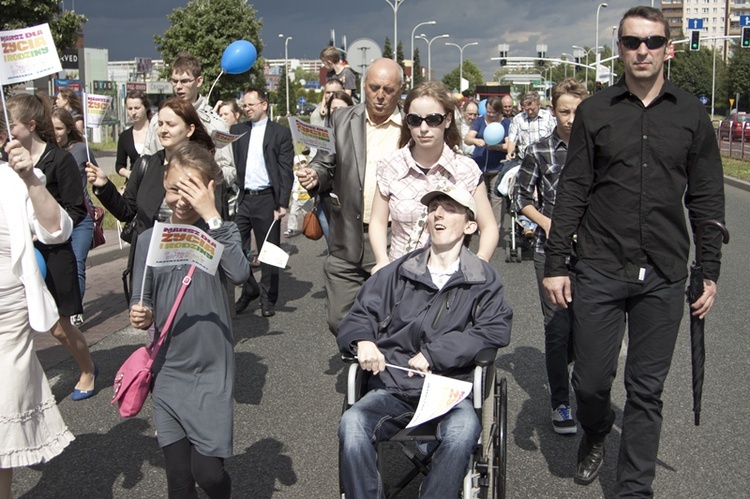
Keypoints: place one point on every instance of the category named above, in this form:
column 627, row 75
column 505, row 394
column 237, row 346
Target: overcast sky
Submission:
column 126, row 27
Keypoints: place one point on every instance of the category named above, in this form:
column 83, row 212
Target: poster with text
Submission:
column 28, row 53
column 223, row 139
column 318, row 137
column 96, row 108
column 439, row 395
column 177, row 244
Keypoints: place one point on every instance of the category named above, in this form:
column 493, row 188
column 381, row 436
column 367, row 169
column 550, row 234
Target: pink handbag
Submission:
column 133, row 380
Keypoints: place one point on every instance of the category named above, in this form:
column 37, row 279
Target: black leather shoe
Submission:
column 244, row 302
column 267, row 310
column 590, row 460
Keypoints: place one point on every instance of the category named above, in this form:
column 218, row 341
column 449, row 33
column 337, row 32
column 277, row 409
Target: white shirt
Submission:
column 256, row 174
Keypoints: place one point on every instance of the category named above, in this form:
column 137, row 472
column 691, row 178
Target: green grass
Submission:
column 736, row 168
column 110, row 145
column 109, row 222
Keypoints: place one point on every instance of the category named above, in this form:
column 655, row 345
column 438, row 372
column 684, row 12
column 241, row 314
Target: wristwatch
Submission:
column 215, row 223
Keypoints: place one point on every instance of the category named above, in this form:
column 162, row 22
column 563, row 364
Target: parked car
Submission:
column 737, row 123
column 307, row 109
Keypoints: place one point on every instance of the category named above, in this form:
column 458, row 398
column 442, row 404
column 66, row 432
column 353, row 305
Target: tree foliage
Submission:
column 739, row 77
column 692, row 71
column 280, row 100
column 400, row 55
column 471, row 73
column 64, row 25
column 204, row 28
column 387, row 49
column 416, row 69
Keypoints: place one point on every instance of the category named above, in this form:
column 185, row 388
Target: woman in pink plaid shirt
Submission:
column 426, row 161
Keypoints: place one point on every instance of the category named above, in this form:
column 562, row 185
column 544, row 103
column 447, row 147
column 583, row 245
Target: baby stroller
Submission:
column 505, row 186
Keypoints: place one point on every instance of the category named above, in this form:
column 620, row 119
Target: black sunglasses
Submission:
column 434, row 119
column 652, row 42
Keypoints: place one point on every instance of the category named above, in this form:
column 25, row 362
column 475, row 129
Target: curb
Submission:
column 735, row 182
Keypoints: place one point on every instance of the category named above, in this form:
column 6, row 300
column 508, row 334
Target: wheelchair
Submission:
column 486, row 471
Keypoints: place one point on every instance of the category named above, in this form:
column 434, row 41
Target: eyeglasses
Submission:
column 652, row 42
column 184, row 81
column 434, row 119
column 247, row 104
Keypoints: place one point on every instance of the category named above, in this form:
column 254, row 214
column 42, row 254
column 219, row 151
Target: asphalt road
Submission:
column 289, row 394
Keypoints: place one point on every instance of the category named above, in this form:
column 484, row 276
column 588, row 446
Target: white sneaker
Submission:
column 77, row 320
column 562, row 420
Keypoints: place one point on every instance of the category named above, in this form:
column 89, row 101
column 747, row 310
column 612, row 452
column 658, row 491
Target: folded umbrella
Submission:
column 697, row 325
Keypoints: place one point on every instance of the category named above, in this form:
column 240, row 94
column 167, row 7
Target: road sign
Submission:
column 695, row 23
column 744, row 20
column 704, row 100
column 302, row 101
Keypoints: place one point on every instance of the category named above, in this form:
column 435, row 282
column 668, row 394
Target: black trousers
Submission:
column 255, row 214
column 558, row 341
column 653, row 309
column 186, row 466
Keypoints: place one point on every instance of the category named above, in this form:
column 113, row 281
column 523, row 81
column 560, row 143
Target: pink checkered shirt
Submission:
column 404, row 184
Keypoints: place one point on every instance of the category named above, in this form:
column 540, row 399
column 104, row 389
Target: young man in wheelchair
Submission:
column 432, row 310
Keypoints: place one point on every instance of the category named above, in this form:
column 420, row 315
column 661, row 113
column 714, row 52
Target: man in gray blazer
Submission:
column 363, row 135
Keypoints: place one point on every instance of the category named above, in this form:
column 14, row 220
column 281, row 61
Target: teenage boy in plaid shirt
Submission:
column 539, row 173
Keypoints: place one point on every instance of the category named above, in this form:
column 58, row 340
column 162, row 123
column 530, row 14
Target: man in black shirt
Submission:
column 637, row 150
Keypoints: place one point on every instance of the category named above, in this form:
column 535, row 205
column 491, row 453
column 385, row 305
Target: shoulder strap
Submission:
column 167, row 325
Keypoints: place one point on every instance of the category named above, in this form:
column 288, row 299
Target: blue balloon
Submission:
column 238, row 57
column 42, row 264
column 482, row 107
column 494, row 134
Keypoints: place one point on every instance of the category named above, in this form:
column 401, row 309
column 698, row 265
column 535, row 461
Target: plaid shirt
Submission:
column 525, row 132
column 540, row 171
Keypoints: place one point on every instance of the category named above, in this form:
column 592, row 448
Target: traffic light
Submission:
column 503, row 60
column 540, row 62
column 695, row 40
column 598, row 86
column 745, row 37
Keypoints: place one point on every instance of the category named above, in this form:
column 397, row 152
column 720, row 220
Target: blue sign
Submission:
column 302, row 101
column 704, row 100
column 744, row 20
column 695, row 23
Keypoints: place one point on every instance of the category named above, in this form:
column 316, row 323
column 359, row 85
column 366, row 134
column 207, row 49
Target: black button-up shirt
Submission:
column 628, row 171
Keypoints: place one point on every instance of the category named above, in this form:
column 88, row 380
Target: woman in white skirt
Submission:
column 31, row 428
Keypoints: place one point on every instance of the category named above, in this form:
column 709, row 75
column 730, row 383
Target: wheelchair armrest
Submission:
column 485, row 357
column 349, row 358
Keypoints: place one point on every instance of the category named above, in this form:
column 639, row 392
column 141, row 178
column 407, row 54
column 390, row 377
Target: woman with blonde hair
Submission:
column 426, row 161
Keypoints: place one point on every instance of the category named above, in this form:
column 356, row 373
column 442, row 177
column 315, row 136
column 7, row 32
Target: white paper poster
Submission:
column 176, row 244
column 96, row 108
column 313, row 136
column 28, row 53
column 439, row 395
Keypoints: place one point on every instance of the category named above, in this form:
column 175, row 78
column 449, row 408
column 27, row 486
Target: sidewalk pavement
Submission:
column 105, row 309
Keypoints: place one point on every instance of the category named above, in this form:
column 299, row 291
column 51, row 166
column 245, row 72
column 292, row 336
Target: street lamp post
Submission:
column 429, row 52
column 587, row 61
column 461, row 61
column 566, row 65
column 612, row 62
column 412, row 49
column 286, row 69
column 596, row 42
column 394, row 5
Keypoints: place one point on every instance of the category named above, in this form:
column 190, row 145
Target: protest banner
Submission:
column 96, row 108
column 177, row 244
column 223, row 139
column 439, row 395
column 312, row 136
column 28, row 53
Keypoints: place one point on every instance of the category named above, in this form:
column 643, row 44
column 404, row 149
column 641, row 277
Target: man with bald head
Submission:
column 507, row 103
column 364, row 134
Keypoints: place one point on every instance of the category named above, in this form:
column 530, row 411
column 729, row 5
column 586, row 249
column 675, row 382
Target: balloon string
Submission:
column 208, row 98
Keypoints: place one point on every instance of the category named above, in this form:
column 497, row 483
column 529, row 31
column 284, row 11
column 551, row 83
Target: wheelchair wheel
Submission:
column 501, row 438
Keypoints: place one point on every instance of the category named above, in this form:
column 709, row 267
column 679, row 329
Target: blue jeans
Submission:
column 83, row 234
column 377, row 417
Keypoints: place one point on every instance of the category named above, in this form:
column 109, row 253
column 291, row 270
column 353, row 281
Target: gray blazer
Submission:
column 343, row 176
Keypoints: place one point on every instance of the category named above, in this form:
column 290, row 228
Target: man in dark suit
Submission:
column 264, row 156
column 364, row 134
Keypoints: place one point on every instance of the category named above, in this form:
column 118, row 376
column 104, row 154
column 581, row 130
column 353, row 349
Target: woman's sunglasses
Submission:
column 652, row 42
column 434, row 119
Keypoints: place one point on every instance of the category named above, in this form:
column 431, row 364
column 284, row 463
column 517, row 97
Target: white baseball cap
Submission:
column 461, row 196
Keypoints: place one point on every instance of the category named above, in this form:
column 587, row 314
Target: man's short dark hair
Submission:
column 262, row 97
column 186, row 63
column 335, row 81
column 644, row 12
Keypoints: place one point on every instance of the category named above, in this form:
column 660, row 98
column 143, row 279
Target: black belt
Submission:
column 259, row 192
